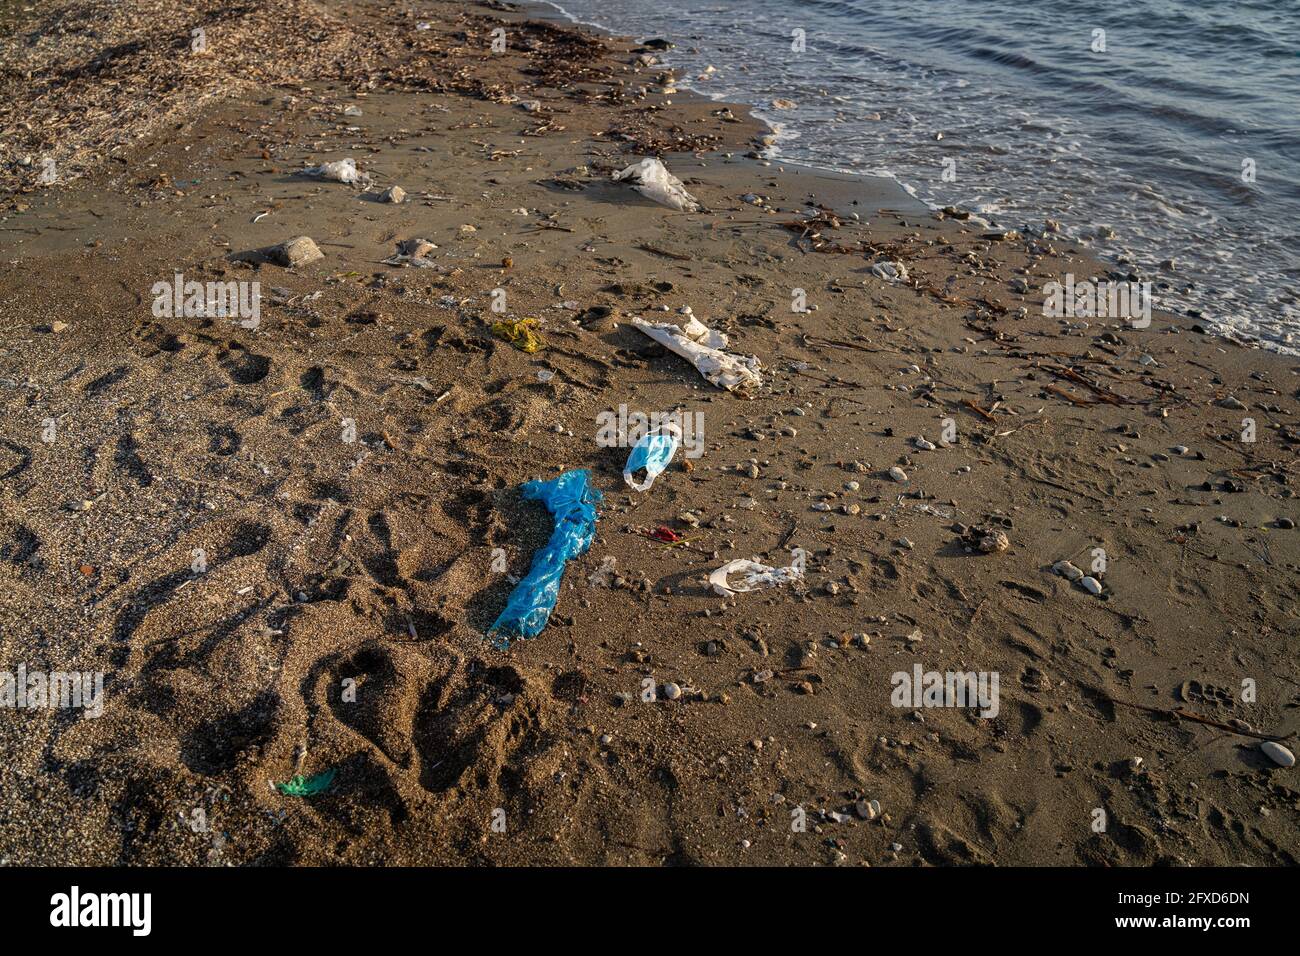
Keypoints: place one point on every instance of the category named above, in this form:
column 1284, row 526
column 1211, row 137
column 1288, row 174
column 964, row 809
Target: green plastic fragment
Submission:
column 300, row 786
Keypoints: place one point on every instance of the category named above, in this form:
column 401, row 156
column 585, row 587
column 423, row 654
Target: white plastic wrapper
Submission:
column 339, row 171
column 652, row 179
column 703, row 348
column 751, row 576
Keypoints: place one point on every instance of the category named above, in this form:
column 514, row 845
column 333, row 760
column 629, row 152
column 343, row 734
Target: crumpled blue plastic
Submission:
column 572, row 501
column 654, row 453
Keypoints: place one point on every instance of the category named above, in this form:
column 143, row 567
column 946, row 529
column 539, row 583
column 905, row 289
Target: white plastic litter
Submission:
column 703, row 348
column 890, row 271
column 339, row 171
column 652, row 179
column 755, row 576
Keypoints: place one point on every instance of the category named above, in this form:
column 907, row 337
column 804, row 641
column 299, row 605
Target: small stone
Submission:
column 1286, row 524
column 1277, row 753
column 393, row 194
column 297, row 251
column 672, row 691
column 1068, row 570
column 1233, row 403
column 58, row 326
column 865, row 810
column 1090, row 584
column 898, row 474
column 994, row 542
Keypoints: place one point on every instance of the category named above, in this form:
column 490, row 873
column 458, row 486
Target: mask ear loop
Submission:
column 675, row 430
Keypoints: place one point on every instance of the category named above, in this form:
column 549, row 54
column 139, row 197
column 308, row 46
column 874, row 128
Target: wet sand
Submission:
column 349, row 573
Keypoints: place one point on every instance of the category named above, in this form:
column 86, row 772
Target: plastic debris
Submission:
column 300, row 786
column 339, row 171
column 890, row 271
column 521, row 333
column 755, row 576
column 652, row 453
column 572, row 503
column 651, row 179
column 703, row 348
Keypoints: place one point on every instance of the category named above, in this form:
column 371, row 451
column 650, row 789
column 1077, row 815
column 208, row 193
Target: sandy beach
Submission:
column 281, row 535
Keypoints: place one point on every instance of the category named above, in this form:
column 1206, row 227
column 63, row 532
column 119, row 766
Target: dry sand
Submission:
column 332, row 564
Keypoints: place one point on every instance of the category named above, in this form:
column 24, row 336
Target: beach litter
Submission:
column 652, row 454
column 755, row 577
column 572, row 503
column 339, row 171
column 300, row 786
column 521, row 333
column 651, row 179
column 703, row 348
column 890, row 271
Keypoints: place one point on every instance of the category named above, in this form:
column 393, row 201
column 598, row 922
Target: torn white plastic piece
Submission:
column 755, row 576
column 652, row 179
column 703, row 348
column 890, row 271
column 340, row 171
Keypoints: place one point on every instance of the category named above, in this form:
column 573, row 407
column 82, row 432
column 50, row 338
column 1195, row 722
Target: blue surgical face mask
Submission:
column 653, row 453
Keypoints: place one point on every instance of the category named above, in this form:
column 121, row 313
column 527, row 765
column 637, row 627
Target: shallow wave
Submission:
column 1149, row 139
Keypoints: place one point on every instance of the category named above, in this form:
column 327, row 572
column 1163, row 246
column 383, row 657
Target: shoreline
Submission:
column 1193, row 307
column 365, row 558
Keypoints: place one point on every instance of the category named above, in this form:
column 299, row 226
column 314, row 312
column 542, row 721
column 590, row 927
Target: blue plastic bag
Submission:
column 572, row 502
column 654, row 452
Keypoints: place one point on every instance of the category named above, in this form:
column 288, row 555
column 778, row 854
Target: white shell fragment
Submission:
column 651, row 179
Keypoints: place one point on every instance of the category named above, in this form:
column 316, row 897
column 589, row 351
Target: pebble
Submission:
column 1277, row 753
column 898, row 474
column 1067, row 570
column 1090, row 584
column 994, row 542
column 297, row 251
column 923, row 445
column 393, row 194
column 672, row 691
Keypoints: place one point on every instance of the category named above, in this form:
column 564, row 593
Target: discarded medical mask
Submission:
column 754, row 577
column 651, row 179
column 652, row 454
